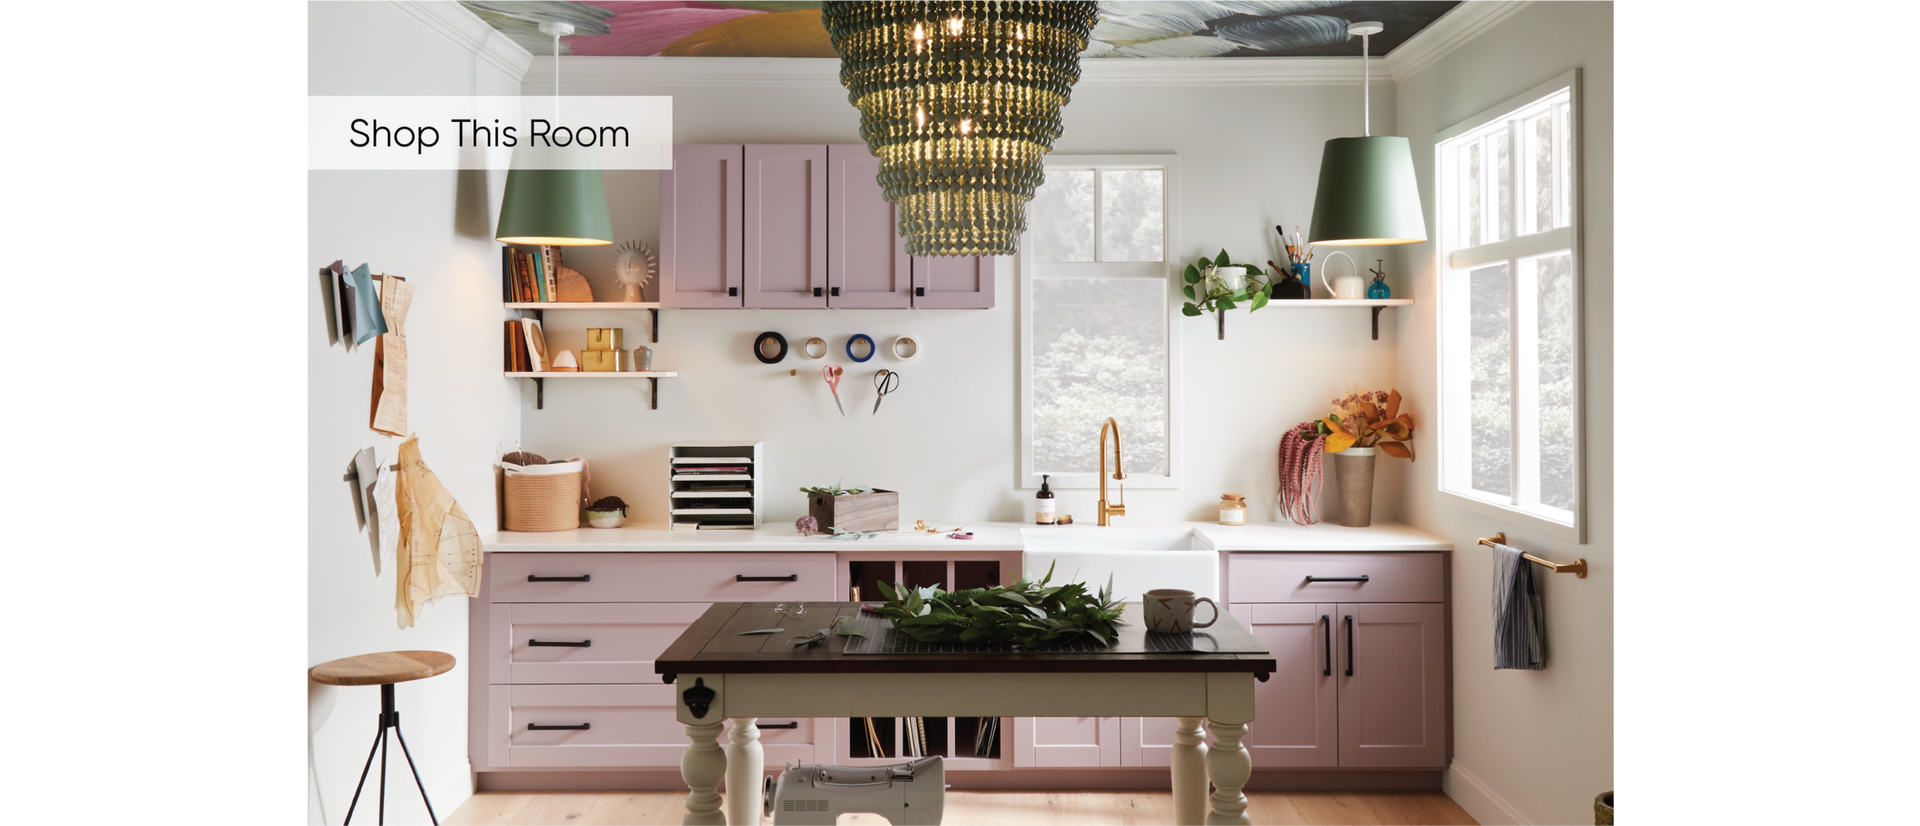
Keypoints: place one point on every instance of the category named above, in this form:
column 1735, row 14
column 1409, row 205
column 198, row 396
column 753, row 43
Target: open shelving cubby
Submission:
column 713, row 485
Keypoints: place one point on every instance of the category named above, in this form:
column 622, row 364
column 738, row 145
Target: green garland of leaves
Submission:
column 1025, row 614
column 1205, row 295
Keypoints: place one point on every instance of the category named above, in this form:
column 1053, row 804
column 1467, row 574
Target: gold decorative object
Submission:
column 603, row 361
column 960, row 101
column 604, row 338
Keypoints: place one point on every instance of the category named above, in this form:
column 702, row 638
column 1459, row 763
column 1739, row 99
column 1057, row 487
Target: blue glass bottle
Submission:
column 1379, row 288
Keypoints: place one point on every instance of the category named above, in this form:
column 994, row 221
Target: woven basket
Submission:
column 548, row 502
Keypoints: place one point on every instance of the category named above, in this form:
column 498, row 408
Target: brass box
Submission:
column 603, row 361
column 604, row 338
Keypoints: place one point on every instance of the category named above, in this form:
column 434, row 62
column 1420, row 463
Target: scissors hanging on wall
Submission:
column 831, row 373
column 885, row 381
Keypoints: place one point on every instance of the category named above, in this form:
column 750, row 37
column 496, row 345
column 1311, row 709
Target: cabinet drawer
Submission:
column 648, row 577
column 542, row 642
column 1283, row 577
column 627, row 726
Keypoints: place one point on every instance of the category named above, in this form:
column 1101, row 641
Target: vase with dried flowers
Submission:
column 1361, row 423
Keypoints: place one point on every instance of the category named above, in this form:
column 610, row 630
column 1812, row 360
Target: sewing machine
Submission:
column 906, row 794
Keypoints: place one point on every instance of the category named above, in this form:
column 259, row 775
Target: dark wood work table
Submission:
column 720, row 675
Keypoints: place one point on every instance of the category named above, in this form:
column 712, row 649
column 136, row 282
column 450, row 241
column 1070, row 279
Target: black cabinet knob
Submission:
column 920, row 291
column 733, row 291
column 816, row 292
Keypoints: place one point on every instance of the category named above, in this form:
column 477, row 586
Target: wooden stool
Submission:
column 384, row 670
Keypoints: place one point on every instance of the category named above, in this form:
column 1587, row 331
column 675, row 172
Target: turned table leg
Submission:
column 1189, row 772
column 703, row 767
column 745, row 761
column 1229, row 764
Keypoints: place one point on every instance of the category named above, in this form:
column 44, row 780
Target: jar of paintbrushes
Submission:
column 1297, row 276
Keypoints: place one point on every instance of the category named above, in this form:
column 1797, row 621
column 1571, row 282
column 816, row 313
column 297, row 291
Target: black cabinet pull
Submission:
column 580, row 578
column 816, row 292
column 1349, row 645
column 745, row 578
column 836, row 291
column 1360, row 578
column 921, row 291
column 1326, row 638
column 557, row 644
column 733, row 291
column 538, row 727
column 794, row 724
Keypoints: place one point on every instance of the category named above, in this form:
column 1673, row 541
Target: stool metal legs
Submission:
column 388, row 719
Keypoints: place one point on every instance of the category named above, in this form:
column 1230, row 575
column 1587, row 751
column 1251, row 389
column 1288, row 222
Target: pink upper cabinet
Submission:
column 700, row 219
column 867, row 263
column 942, row 283
column 786, row 227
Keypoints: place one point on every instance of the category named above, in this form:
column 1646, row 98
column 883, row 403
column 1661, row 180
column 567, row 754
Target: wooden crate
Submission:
column 876, row 511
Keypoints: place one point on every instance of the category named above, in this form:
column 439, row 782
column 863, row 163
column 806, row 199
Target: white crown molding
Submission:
column 1480, row 800
column 1456, row 28
column 590, row 74
column 462, row 27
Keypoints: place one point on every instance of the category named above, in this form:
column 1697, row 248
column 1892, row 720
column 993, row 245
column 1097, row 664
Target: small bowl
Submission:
column 605, row 519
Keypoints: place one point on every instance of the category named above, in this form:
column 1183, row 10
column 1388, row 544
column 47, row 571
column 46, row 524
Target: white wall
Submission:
column 436, row 230
column 1250, row 158
column 1529, row 747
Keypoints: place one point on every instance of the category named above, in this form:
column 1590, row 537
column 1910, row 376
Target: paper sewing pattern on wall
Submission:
column 438, row 553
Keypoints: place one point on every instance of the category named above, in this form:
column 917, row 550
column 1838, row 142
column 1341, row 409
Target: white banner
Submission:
column 489, row 132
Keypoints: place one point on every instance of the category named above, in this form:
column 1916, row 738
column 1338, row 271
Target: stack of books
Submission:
column 530, row 275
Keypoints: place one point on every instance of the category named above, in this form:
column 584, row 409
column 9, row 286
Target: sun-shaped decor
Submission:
column 634, row 265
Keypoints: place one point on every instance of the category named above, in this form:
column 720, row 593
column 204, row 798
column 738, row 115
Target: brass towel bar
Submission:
column 1578, row 567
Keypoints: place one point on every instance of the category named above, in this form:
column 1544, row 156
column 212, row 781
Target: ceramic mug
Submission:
column 1170, row 611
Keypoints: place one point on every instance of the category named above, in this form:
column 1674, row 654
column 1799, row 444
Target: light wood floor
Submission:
column 967, row 808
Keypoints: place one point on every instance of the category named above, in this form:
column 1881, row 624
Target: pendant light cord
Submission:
column 1366, row 87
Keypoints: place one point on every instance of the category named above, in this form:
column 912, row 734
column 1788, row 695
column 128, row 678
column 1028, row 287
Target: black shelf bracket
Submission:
column 654, row 312
column 653, row 395
column 539, row 394
column 1376, row 323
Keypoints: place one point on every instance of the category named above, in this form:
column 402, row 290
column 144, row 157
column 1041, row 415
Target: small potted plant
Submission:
column 1215, row 285
column 607, row 512
column 1361, row 423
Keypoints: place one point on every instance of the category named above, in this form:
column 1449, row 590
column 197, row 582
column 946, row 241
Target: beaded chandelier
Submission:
column 960, row 101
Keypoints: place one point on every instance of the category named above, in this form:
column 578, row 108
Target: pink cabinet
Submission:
column 700, row 227
column 1362, row 681
column 1392, row 673
column 1296, row 716
column 565, row 643
column 867, row 263
column 786, row 227
column 953, row 283
column 1066, row 742
column 796, row 227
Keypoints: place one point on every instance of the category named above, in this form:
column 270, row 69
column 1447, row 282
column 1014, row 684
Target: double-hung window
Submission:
column 1510, row 418
column 1095, row 320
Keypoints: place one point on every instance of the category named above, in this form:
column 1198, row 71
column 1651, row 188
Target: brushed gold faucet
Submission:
column 1118, row 508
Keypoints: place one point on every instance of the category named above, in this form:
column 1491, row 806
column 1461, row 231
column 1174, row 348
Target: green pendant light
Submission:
column 1367, row 194
column 560, row 207
column 960, row 100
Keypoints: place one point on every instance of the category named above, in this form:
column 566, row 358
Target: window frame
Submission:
column 1026, row 477
column 1452, row 264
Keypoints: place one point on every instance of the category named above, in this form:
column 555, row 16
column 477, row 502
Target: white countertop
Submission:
column 987, row 536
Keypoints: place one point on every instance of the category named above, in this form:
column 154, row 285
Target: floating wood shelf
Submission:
column 1377, row 304
column 540, row 383
column 539, row 309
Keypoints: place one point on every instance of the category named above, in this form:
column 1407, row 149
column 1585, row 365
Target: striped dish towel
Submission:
column 1519, row 620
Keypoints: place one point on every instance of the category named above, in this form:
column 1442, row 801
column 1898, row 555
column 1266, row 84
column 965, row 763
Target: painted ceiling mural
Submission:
column 1127, row 28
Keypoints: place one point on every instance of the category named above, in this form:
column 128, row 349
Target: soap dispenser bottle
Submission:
column 1043, row 503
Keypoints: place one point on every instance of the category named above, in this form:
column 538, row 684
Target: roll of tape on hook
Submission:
column 859, row 338
column 760, row 347
column 904, row 347
column 814, row 348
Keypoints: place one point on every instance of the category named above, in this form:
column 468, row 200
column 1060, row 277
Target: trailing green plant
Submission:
column 1024, row 614
column 1206, row 294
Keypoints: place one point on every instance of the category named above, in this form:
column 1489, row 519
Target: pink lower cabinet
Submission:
column 584, row 726
column 1392, row 672
column 1066, row 742
column 1148, row 741
column 1296, row 718
column 532, row 642
column 1361, row 644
